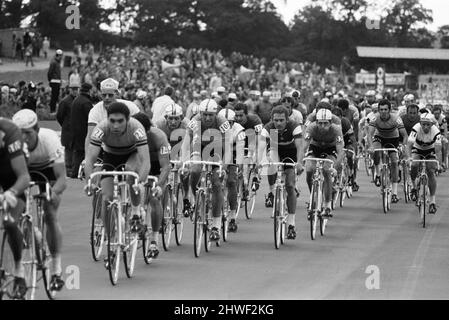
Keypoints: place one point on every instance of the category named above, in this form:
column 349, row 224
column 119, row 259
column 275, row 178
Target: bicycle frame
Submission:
column 386, row 188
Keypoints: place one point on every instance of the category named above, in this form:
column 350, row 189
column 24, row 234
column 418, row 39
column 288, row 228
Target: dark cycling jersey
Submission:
column 284, row 140
column 409, row 122
column 348, row 133
column 174, row 136
column 11, row 146
column 158, row 145
column 387, row 129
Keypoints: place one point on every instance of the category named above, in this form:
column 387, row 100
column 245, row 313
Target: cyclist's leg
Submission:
column 432, row 182
column 376, row 157
column 133, row 164
column 394, row 161
column 107, row 190
column 156, row 222
column 290, row 185
column 231, row 185
column 195, row 174
column 217, row 199
column 327, row 183
column 310, row 167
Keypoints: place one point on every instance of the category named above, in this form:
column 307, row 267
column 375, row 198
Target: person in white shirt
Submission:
column 161, row 103
column 109, row 92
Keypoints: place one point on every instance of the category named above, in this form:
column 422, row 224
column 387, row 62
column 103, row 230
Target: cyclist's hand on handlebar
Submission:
column 88, row 190
column 299, row 168
column 333, row 172
column 157, row 191
column 10, row 198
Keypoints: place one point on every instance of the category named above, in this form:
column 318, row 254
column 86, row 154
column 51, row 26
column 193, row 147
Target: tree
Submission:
column 403, row 17
column 11, row 13
column 443, row 33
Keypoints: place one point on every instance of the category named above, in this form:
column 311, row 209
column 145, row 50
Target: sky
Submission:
column 288, row 8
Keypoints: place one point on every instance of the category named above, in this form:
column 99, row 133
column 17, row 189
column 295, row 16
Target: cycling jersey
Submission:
column 11, row 146
column 424, row 141
column 158, row 145
column 328, row 140
column 119, row 144
column 441, row 121
column 409, row 122
column 296, row 116
column 387, row 129
column 48, row 151
column 348, row 133
column 284, row 140
column 99, row 113
column 176, row 135
column 263, row 110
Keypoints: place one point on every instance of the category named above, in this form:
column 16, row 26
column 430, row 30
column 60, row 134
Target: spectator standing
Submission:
column 30, row 99
column 63, row 117
column 54, row 78
column 29, row 55
column 19, row 51
column 81, row 107
column 46, row 47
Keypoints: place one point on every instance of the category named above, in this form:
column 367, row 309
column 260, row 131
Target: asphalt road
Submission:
column 365, row 254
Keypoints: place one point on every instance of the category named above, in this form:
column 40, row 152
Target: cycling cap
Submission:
column 409, row 97
column 228, row 114
column 208, row 105
column 173, row 110
column 140, row 94
column 324, row 115
column 109, row 85
column 25, row 119
column 427, row 117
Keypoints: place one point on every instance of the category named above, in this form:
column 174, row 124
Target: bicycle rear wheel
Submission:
column 167, row 221
column 43, row 258
column 97, row 234
column 198, row 223
column 178, row 214
column 29, row 258
column 277, row 217
column 114, row 250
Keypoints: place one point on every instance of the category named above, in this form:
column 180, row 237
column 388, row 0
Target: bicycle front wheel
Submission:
column 313, row 210
column 178, row 214
column 114, row 250
column 406, row 184
column 240, row 188
column 423, row 204
column 224, row 222
column 131, row 240
column 251, row 203
column 167, row 221
column 276, row 217
column 6, row 269
column 97, row 234
column 29, row 258
column 198, row 222
column 384, row 190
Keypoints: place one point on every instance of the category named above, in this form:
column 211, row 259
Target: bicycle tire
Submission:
column 337, row 193
column 343, row 192
column 313, row 210
column 6, row 264
column 146, row 236
column 224, row 222
column 167, row 219
column 384, row 190
column 97, row 234
column 178, row 214
column 276, row 217
column 130, row 246
column 406, row 184
column 283, row 217
column 423, row 208
column 239, row 195
column 198, row 223
column 250, row 205
column 367, row 166
column 114, row 250
column 29, row 258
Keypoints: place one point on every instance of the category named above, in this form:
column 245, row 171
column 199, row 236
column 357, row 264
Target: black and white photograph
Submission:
column 224, row 156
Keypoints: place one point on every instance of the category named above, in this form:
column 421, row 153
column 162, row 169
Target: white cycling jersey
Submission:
column 47, row 152
column 99, row 113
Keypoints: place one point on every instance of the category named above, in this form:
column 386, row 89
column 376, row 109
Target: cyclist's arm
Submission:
column 90, row 128
column 19, row 167
column 262, row 148
column 143, row 153
column 369, row 136
column 185, row 147
column 164, row 163
column 299, row 143
column 61, row 182
column 340, row 153
column 404, row 135
column 91, row 157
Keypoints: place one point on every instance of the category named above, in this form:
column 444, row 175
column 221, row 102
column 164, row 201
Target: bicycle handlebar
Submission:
column 288, row 164
column 207, row 163
column 113, row 173
column 386, row 149
column 349, row 150
column 331, row 162
column 47, row 188
column 427, row 161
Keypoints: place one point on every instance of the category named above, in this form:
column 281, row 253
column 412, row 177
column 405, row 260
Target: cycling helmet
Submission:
column 409, row 97
column 173, row 110
column 25, row 119
column 208, row 105
column 427, row 118
column 140, row 94
column 228, row 114
column 324, row 115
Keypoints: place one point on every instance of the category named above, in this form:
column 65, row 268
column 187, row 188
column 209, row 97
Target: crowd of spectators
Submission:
column 144, row 73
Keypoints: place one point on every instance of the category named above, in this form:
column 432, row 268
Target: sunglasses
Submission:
column 323, row 123
column 105, row 95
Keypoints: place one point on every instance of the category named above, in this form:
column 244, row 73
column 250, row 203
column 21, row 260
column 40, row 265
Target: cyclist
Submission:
column 159, row 149
column 123, row 141
column 110, row 93
column 324, row 139
column 46, row 156
column 411, row 118
column 293, row 114
column 235, row 141
column 424, row 141
column 442, row 125
column 204, row 141
column 386, row 129
column 174, row 125
column 14, row 179
column 321, row 105
column 349, row 143
column 253, row 127
column 284, row 139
